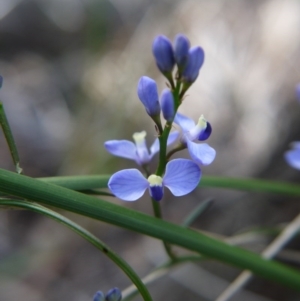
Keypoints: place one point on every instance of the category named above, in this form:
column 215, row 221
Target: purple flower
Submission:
column 167, row 104
column 293, row 156
column 163, row 53
column 148, row 95
column 195, row 61
column 113, row 295
column 99, row 296
column 137, row 151
column 200, row 153
column 181, row 177
column 181, row 50
column 298, row 92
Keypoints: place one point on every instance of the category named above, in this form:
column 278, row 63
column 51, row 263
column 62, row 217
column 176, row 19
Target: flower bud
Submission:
column 181, row 50
column 99, row 296
column 195, row 61
column 148, row 95
column 163, row 53
column 167, row 105
column 114, row 295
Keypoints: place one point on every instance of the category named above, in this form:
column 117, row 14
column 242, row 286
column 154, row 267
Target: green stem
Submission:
column 122, row 264
column 159, row 272
column 158, row 214
column 163, row 139
column 9, row 139
column 197, row 212
column 165, row 134
column 175, row 150
column 163, row 149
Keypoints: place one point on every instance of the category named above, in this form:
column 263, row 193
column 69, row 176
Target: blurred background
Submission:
column 70, row 71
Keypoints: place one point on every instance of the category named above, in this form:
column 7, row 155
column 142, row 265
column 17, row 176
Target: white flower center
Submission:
column 202, row 123
column 139, row 137
column 193, row 134
column 155, row 180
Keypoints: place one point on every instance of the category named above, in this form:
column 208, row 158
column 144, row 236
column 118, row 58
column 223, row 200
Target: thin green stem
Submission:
column 163, row 149
column 288, row 233
column 122, row 264
column 197, row 212
column 169, row 77
column 159, row 272
column 158, row 214
column 163, row 138
column 9, row 139
column 176, row 149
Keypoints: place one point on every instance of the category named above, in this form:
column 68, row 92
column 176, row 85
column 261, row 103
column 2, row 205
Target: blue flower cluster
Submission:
column 112, row 295
column 180, row 176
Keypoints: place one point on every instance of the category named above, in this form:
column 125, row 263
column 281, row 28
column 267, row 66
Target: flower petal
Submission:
column 298, row 92
column 122, row 148
column 99, row 296
column 204, row 135
column 182, row 176
column 155, row 146
column 128, row 184
column 184, row 122
column 201, row 153
column 295, row 144
column 293, row 156
column 172, row 137
column 114, row 295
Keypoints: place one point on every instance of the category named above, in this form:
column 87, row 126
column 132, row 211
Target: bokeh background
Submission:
column 70, row 71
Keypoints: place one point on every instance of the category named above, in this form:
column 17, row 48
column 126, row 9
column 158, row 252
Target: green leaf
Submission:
column 255, row 185
column 60, row 197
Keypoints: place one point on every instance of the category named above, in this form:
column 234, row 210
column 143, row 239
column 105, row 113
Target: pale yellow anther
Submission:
column 139, row 137
column 155, row 180
column 202, row 123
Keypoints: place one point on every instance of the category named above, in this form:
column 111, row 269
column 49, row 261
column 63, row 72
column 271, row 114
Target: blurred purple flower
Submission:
column 201, row 153
column 113, row 295
column 293, row 156
column 99, row 296
column 137, row 151
column 181, row 177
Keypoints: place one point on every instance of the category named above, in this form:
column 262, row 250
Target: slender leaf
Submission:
column 255, row 185
column 67, row 199
column 122, row 264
